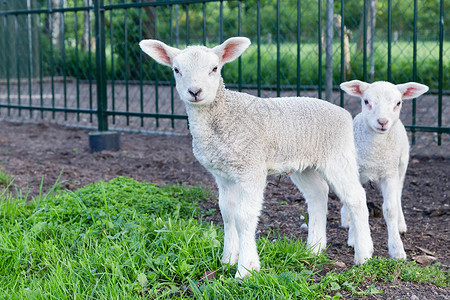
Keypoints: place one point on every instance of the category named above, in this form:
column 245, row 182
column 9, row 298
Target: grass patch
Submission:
column 124, row 239
column 5, row 179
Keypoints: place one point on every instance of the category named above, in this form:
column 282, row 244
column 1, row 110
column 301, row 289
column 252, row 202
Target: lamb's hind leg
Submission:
column 228, row 195
column 402, row 172
column 315, row 191
column 344, row 180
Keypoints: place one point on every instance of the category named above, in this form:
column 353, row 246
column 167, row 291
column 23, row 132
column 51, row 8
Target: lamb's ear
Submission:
column 354, row 87
column 412, row 90
column 159, row 51
column 231, row 48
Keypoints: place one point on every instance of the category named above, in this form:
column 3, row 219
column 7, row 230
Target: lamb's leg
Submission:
column 389, row 189
column 246, row 215
column 345, row 217
column 344, row 180
column 315, row 191
column 228, row 195
column 401, row 217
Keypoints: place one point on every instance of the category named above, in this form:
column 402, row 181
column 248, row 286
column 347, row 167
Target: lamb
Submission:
column 240, row 139
column 383, row 149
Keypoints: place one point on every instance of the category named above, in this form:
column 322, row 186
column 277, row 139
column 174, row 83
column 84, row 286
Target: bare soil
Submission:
column 35, row 153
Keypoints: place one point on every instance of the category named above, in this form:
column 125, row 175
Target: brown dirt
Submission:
column 33, row 153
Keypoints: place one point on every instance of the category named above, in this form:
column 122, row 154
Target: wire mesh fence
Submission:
column 77, row 62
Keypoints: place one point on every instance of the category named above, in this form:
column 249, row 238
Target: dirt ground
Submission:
column 32, row 153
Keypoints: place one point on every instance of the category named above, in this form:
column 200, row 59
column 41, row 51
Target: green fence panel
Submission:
column 77, row 62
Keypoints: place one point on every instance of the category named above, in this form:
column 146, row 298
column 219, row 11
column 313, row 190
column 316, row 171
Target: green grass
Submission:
column 5, row 179
column 124, row 239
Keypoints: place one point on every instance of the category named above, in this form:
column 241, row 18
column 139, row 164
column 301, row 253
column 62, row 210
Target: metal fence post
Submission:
column 102, row 139
column 100, row 57
column 329, row 51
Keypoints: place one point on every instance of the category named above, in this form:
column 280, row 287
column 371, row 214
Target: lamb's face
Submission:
column 196, row 68
column 381, row 105
column 197, row 74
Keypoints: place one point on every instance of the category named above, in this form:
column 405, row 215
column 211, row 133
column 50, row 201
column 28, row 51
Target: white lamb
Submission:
column 383, row 149
column 241, row 139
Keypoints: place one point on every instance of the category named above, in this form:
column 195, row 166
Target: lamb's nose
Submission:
column 195, row 93
column 382, row 121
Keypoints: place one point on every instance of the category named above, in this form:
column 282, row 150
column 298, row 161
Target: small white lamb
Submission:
column 383, row 149
column 241, row 139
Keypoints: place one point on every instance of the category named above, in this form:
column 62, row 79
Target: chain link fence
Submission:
column 78, row 63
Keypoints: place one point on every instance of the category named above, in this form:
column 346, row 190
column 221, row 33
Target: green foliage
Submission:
column 387, row 270
column 5, row 179
column 124, row 239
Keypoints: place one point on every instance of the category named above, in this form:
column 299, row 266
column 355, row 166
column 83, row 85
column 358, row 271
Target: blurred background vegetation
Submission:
column 67, row 40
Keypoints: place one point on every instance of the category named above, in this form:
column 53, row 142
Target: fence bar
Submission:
column 18, row 65
column 52, row 65
column 389, row 41
column 8, row 90
column 203, row 25
column 155, row 18
column 221, row 22
column 258, row 39
column 172, row 95
column 102, row 104
column 187, row 24
column 278, row 50
column 30, row 51
column 441, row 73
column 77, row 67
column 90, row 64
column 414, row 74
column 240, row 58
column 141, row 68
column 319, row 45
column 127, row 68
column 365, row 41
column 53, row 109
column 41, row 86
column 113, row 89
column 342, row 77
column 329, row 51
column 63, row 54
column 299, row 17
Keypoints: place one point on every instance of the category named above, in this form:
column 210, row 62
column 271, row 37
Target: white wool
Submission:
column 383, row 148
column 241, row 139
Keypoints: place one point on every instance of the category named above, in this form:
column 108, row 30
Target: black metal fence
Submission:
column 78, row 62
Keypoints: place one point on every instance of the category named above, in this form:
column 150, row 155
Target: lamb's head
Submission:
column 196, row 68
column 382, row 101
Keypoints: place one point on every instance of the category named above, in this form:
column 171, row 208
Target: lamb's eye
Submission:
column 214, row 69
column 176, row 70
column 399, row 102
column 366, row 102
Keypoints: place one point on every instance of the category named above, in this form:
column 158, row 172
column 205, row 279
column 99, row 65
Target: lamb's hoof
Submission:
column 401, row 254
column 244, row 271
column 230, row 259
column 345, row 223
column 402, row 228
column 361, row 258
column 351, row 241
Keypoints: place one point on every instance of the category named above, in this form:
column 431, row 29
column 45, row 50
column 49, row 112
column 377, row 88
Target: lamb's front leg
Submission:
column 389, row 189
column 228, row 195
column 246, row 216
